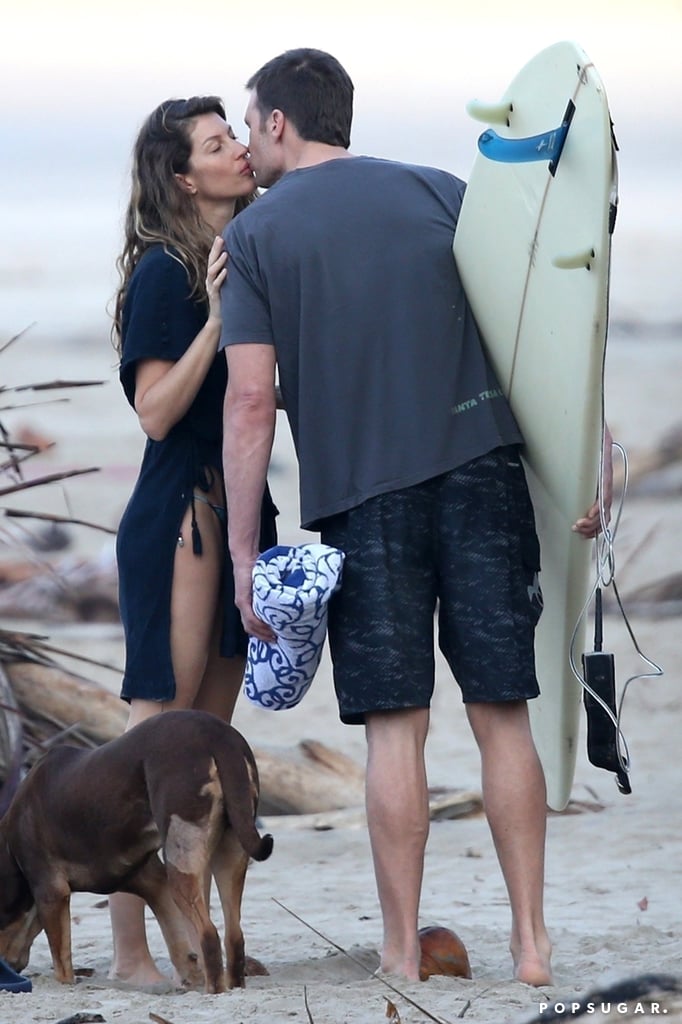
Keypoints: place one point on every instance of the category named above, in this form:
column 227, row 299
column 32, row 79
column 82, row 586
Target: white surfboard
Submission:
column 532, row 248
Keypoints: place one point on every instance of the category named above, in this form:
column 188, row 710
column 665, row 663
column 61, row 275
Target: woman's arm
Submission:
column 165, row 390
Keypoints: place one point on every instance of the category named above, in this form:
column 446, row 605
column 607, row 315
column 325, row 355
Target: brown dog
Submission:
column 182, row 782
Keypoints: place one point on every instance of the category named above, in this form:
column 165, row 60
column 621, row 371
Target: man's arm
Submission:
column 249, row 427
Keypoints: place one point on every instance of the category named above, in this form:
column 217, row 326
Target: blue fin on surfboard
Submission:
column 546, row 146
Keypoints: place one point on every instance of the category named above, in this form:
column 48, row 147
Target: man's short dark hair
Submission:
column 312, row 89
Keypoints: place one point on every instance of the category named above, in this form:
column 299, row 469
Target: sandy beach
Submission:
column 614, row 876
column 79, row 78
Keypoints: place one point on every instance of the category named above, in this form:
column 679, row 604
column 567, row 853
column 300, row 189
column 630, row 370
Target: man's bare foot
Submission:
column 395, row 968
column 533, row 970
column 394, row 979
column 533, row 963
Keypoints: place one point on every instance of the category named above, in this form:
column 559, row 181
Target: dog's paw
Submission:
column 193, row 976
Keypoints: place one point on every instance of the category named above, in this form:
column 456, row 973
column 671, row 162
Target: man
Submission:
column 342, row 277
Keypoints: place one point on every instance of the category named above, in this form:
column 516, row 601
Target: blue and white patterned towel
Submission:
column 291, row 590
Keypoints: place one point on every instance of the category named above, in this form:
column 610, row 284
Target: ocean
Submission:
column 61, row 212
column 65, row 183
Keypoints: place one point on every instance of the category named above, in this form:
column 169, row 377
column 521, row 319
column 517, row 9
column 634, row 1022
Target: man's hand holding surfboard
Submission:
column 591, row 523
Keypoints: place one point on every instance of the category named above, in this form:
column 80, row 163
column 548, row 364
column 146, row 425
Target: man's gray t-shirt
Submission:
column 346, row 267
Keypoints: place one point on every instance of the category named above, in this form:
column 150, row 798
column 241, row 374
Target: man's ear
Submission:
column 277, row 122
column 185, row 184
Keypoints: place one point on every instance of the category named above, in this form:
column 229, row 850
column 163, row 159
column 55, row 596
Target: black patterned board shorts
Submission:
column 463, row 542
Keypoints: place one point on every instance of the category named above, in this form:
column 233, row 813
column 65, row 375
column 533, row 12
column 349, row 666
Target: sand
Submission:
column 614, row 872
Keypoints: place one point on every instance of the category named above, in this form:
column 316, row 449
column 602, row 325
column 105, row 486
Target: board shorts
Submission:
column 463, row 544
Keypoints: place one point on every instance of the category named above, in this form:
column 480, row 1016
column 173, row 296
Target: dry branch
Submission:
column 31, row 405
column 52, row 385
column 16, row 337
column 14, row 462
column 15, row 513
column 49, row 479
column 19, row 447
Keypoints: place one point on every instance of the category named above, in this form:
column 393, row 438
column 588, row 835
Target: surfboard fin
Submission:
column 489, row 113
column 575, row 260
column 546, row 146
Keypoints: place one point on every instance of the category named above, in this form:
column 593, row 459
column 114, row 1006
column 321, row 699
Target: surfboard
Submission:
column 532, row 248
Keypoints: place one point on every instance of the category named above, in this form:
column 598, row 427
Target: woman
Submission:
column 185, row 646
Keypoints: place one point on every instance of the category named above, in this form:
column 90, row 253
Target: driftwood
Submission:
column 308, row 780
column 42, row 704
column 318, row 787
column 11, row 742
column 654, row 470
column 67, row 701
column 84, row 590
column 309, row 786
column 59, row 706
column 333, row 760
column 660, row 599
column 443, row 806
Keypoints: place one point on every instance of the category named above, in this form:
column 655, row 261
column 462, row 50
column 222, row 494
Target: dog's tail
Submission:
column 264, row 848
column 239, row 781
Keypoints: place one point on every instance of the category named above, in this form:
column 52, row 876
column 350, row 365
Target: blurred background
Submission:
column 78, row 78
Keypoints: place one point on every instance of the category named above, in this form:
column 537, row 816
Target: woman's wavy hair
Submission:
column 159, row 211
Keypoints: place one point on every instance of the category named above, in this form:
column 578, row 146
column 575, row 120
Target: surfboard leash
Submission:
column 606, row 747
column 606, row 744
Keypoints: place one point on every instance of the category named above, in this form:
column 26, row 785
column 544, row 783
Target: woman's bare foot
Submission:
column 139, row 974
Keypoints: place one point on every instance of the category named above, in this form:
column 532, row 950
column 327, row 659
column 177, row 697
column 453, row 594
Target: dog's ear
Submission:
column 15, row 895
column 12, row 779
column 17, row 938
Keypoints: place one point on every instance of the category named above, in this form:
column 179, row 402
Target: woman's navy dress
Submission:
column 160, row 320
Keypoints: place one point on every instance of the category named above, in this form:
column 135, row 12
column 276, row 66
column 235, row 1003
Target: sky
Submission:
column 411, row 61
column 77, row 79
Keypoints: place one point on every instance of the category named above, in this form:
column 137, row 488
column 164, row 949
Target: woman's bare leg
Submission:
column 203, row 680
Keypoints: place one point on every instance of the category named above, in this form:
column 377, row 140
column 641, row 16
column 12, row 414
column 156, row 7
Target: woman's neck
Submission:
column 217, row 215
